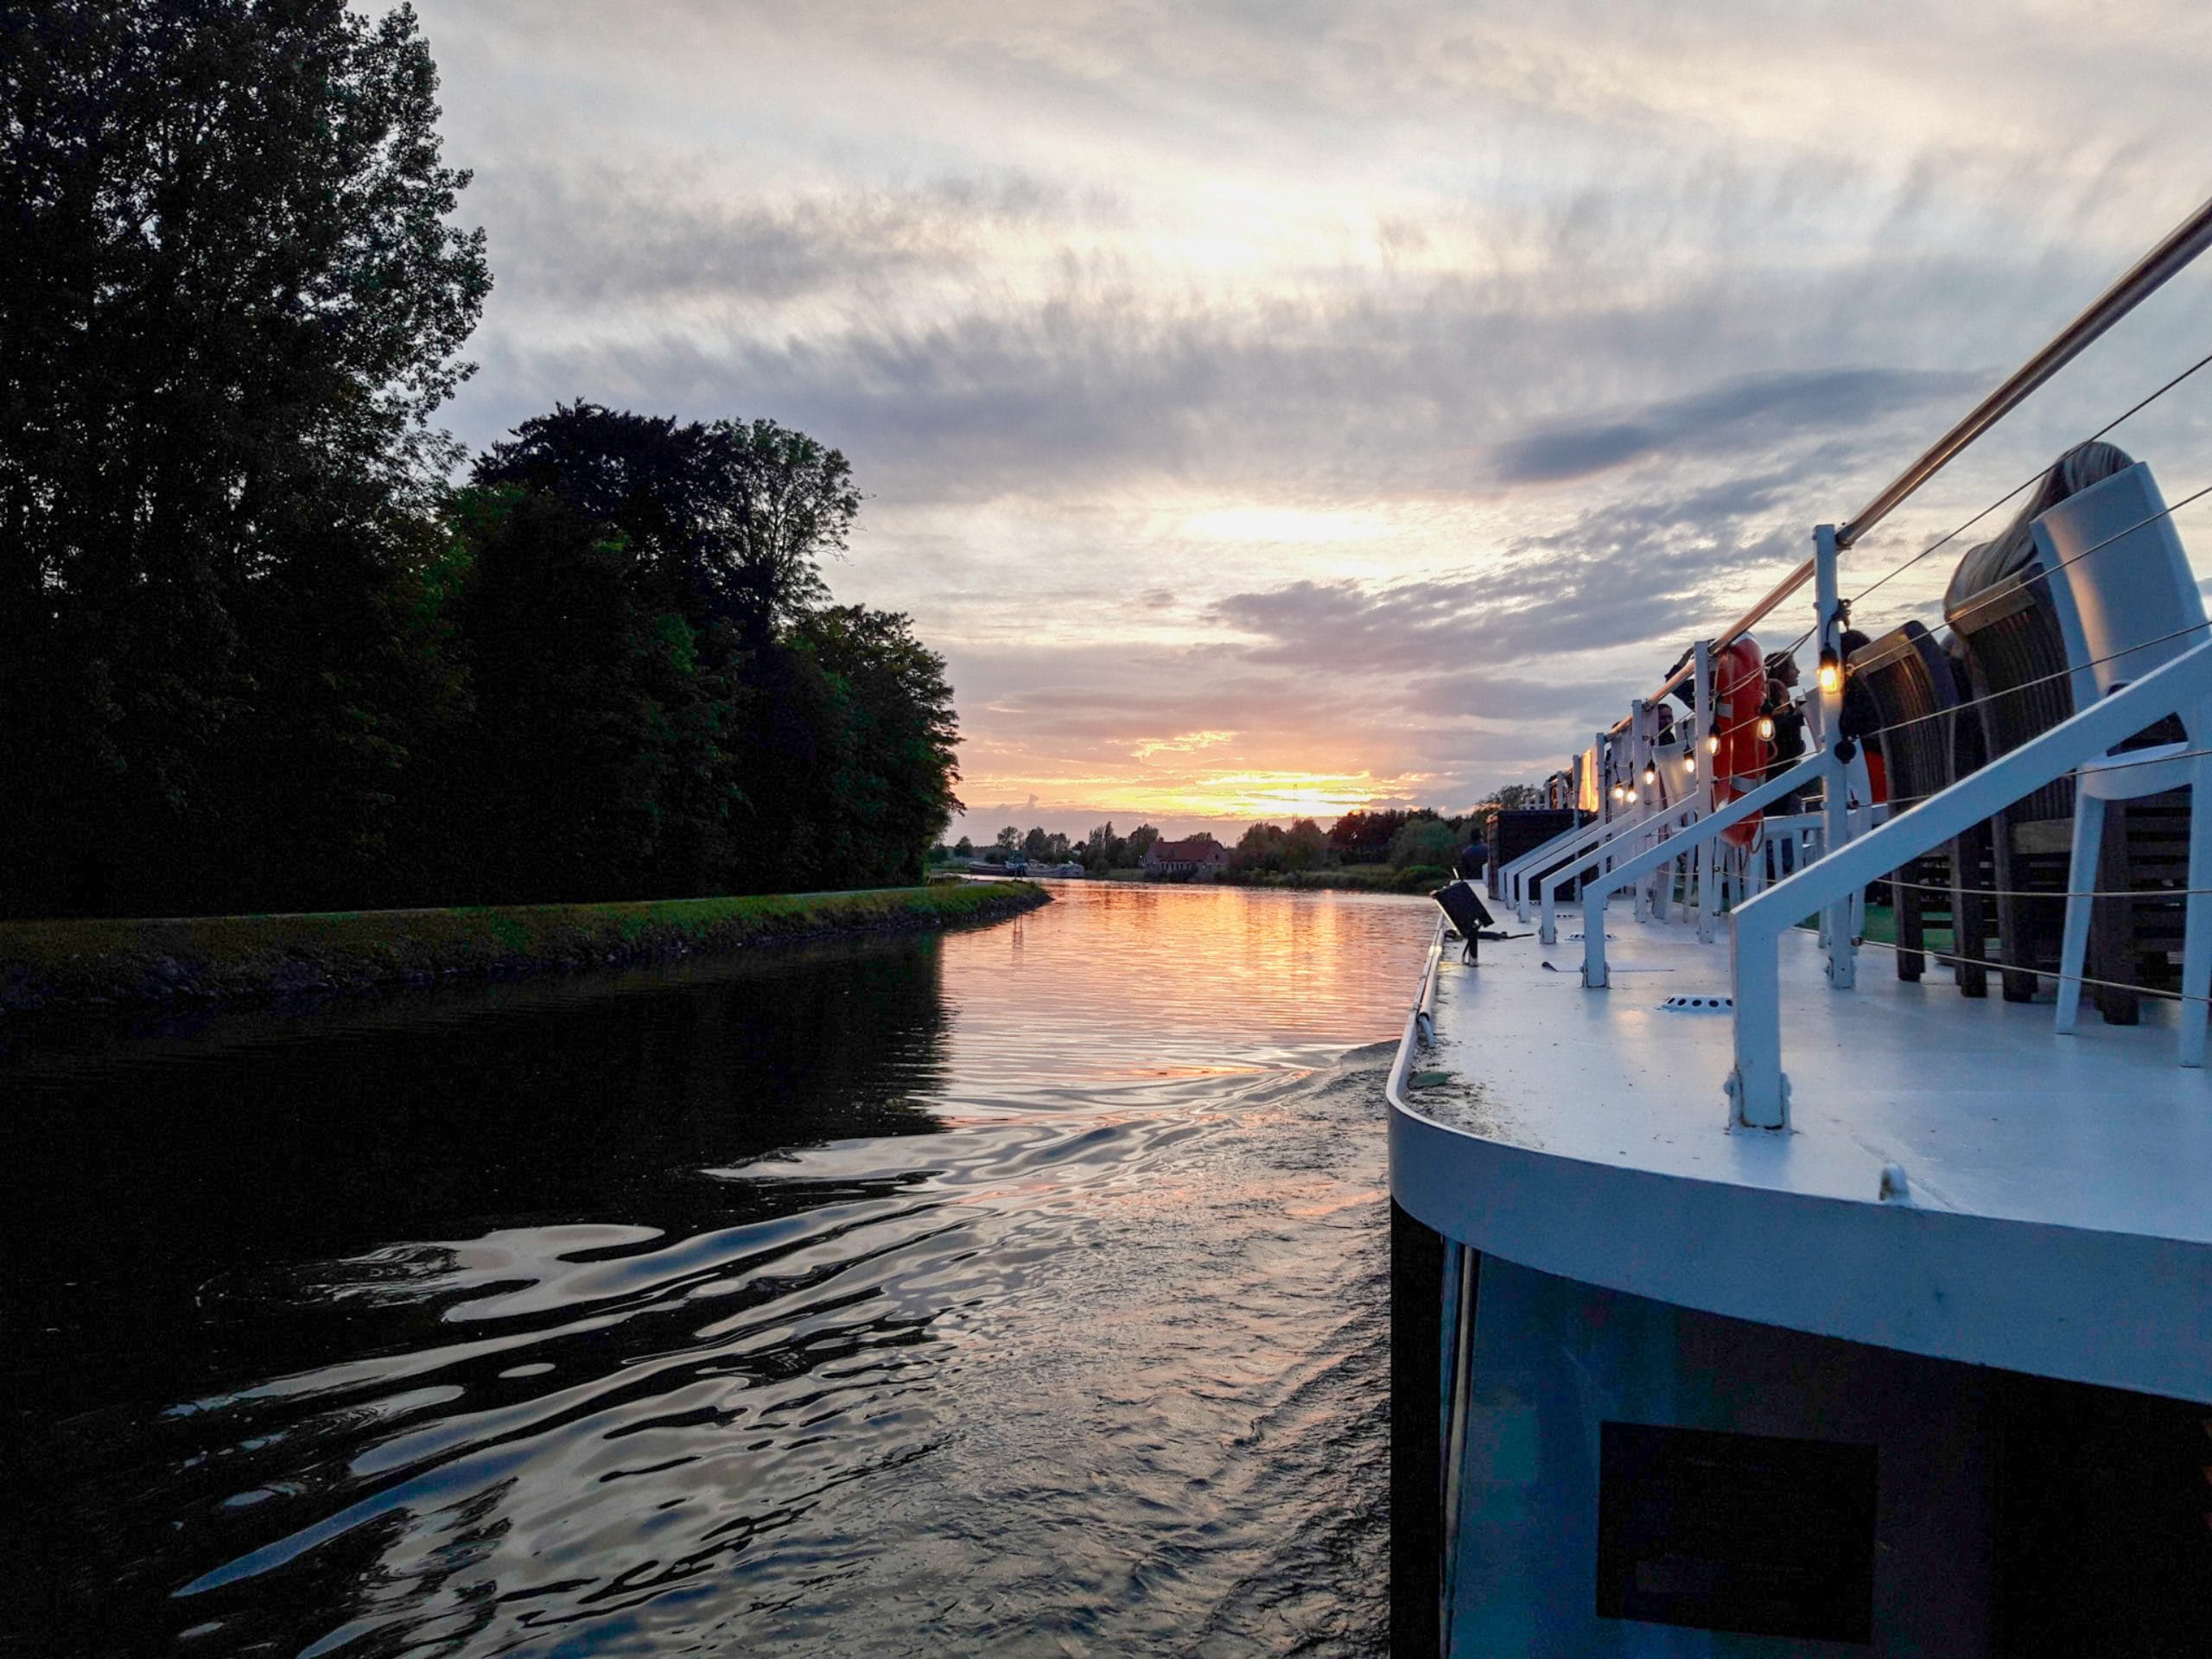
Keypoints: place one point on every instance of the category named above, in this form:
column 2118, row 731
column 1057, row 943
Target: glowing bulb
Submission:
column 1766, row 728
column 1650, row 771
column 1831, row 670
column 1713, row 744
column 1689, row 761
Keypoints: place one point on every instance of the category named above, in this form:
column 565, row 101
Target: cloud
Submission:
column 1388, row 391
column 1755, row 409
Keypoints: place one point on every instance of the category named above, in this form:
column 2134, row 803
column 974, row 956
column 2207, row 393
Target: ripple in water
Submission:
column 1023, row 1290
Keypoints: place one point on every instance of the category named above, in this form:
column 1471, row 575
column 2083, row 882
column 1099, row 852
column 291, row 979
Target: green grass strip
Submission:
column 45, row 964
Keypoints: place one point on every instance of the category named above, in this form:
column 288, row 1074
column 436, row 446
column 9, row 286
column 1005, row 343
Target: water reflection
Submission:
column 1021, row 1289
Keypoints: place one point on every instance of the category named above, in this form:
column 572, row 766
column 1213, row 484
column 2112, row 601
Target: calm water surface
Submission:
column 1021, row 1290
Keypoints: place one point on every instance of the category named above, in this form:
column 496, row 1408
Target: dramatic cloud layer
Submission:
column 1270, row 407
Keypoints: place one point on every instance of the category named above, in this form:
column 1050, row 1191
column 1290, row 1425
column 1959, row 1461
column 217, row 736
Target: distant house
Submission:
column 1200, row 856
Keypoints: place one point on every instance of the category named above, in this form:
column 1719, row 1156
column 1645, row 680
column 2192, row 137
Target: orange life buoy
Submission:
column 1739, row 694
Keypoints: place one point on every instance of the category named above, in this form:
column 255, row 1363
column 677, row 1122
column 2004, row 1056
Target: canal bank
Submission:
column 98, row 961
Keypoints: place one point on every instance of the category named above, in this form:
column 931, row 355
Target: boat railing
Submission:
column 1655, row 827
column 1513, row 879
column 1531, row 868
column 2079, row 747
column 1597, row 889
column 2172, row 254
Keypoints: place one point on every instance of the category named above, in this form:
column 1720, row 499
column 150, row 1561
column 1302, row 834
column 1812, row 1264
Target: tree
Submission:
column 1141, row 842
column 1424, row 839
column 1009, row 841
column 230, row 303
column 963, row 848
column 894, row 795
column 1036, row 845
column 1260, row 848
column 738, row 514
column 1363, row 837
column 1304, row 846
column 1104, row 850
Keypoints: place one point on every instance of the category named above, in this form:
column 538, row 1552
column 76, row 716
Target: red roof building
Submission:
column 1197, row 855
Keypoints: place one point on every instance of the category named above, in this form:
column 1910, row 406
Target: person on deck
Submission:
column 1473, row 861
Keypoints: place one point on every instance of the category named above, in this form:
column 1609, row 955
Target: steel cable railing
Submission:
column 1936, row 546
column 2041, row 973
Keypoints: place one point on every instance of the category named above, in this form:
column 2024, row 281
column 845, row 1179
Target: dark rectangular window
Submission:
column 1736, row 1532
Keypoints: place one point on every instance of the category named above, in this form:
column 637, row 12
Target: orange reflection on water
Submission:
column 1141, row 984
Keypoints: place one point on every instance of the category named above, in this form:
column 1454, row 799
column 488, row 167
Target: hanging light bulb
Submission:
column 1766, row 729
column 1651, row 772
column 1713, row 744
column 1689, row 762
column 1831, row 671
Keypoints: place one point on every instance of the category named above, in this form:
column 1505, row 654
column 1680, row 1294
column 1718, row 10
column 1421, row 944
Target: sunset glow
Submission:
column 1269, row 414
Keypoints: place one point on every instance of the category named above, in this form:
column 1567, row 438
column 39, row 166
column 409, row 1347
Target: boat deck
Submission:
column 2058, row 1207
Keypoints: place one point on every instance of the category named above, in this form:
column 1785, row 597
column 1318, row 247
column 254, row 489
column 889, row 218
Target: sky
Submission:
column 1272, row 409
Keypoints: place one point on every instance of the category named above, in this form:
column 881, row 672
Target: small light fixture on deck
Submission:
column 1831, row 671
column 1766, row 729
column 1713, row 744
column 1650, row 771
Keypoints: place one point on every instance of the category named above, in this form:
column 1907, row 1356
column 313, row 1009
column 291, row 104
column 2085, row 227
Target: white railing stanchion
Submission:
column 1708, row 768
column 1836, row 808
column 1757, row 1092
column 1758, row 1086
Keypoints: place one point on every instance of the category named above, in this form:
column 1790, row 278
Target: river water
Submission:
column 1020, row 1290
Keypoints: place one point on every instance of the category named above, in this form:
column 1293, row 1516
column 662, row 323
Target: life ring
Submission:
column 1739, row 694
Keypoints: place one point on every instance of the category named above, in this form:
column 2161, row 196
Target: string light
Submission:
column 1689, row 761
column 1713, row 744
column 1650, row 771
column 1831, row 671
column 1766, row 729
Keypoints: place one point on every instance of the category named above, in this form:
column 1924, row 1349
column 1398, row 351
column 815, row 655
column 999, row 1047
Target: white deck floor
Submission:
column 2059, row 1216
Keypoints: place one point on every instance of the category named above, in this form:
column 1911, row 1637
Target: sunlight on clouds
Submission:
column 1188, row 743
column 1343, row 398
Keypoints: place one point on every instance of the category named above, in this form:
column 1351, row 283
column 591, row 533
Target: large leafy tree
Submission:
column 738, row 514
column 231, row 302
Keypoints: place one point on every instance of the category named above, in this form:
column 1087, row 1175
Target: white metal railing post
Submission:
column 1758, row 1086
column 1708, row 768
column 1639, row 748
column 1827, row 614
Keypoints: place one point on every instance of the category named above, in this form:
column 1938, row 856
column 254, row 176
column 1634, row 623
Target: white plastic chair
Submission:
column 2124, row 609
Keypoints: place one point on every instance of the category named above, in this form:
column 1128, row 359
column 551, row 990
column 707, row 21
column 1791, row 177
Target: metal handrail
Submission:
column 1513, row 879
column 1598, row 888
column 1664, row 818
column 2173, row 255
column 1510, row 873
column 1758, row 1086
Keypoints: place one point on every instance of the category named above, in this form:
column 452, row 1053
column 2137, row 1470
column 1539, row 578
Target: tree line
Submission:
column 1402, row 838
column 269, row 640
column 1098, row 851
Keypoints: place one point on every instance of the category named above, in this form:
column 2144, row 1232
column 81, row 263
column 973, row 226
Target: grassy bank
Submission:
column 72, row 963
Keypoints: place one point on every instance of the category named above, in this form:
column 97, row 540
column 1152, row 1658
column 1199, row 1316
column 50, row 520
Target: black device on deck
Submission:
column 1463, row 908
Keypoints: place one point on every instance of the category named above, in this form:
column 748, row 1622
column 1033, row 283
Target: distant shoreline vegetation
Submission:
column 1387, row 850
column 259, row 651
